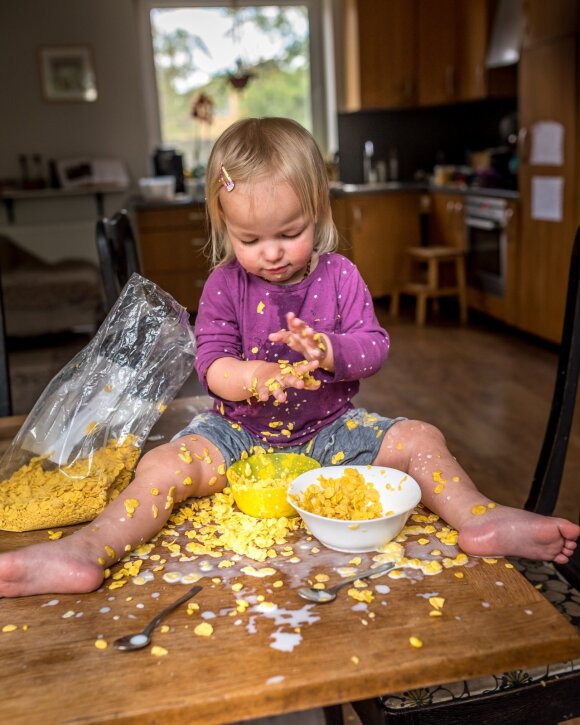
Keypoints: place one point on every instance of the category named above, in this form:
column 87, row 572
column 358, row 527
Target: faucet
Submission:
column 369, row 173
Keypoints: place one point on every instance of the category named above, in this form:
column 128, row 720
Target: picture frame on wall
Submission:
column 67, row 73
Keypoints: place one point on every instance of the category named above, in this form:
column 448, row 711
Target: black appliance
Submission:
column 486, row 220
column 167, row 162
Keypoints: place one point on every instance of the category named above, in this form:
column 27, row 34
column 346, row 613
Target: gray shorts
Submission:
column 356, row 434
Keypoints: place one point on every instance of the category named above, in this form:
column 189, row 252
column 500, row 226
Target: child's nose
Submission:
column 273, row 251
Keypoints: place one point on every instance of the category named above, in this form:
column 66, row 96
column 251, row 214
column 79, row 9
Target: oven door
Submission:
column 486, row 251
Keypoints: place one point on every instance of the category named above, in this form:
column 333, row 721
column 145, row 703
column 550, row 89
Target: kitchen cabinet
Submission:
column 473, row 31
column 388, row 53
column 375, row 231
column 437, row 32
column 548, row 92
column 171, row 246
column 446, row 220
column 427, row 52
column 544, row 21
column 453, row 42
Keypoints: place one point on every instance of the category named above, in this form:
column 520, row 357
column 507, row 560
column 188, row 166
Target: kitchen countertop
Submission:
column 338, row 188
column 138, row 202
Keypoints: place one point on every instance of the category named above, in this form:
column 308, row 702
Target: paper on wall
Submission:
column 547, row 198
column 547, row 145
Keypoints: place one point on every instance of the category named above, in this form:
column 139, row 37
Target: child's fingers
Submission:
column 280, row 336
column 306, row 366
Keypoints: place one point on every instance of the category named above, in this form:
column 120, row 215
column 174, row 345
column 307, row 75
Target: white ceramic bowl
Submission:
column 370, row 534
column 155, row 188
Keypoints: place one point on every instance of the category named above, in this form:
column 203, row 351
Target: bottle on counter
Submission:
column 369, row 173
column 381, row 171
column 393, row 164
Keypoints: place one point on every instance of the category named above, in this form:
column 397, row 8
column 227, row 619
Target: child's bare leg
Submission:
column 164, row 476
column 485, row 528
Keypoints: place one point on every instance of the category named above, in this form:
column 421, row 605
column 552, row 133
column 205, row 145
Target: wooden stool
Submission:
column 434, row 257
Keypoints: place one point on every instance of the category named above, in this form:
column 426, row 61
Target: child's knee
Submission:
column 157, row 459
column 420, row 436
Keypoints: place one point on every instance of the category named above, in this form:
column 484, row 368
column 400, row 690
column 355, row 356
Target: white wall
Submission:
column 111, row 127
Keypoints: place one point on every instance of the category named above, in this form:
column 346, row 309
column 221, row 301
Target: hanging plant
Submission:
column 239, row 79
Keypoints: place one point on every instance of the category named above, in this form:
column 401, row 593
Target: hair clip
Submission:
column 226, row 179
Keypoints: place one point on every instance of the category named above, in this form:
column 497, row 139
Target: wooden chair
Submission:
column 117, row 251
column 5, row 397
column 540, row 695
column 434, row 286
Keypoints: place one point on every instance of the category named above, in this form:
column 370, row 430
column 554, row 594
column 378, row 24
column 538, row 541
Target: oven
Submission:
column 486, row 220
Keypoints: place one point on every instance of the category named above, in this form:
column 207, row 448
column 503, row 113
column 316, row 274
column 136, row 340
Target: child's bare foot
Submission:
column 506, row 531
column 47, row 569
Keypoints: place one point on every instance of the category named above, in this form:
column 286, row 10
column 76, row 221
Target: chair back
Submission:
column 550, row 467
column 5, row 397
column 117, row 251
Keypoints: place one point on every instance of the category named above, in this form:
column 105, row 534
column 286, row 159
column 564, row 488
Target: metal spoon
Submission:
column 141, row 639
column 323, row 596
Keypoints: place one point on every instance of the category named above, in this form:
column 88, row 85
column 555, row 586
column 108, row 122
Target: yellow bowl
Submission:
column 259, row 483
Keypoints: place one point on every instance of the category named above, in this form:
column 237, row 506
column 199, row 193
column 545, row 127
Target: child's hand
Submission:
column 301, row 338
column 272, row 379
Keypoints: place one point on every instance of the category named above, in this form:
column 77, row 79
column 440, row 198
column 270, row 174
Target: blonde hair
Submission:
column 282, row 149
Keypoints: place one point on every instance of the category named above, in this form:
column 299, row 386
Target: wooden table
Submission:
column 264, row 661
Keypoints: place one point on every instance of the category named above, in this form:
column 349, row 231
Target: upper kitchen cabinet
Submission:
column 427, row 52
column 544, row 21
column 438, row 36
column 388, row 54
column 454, row 37
column 474, row 26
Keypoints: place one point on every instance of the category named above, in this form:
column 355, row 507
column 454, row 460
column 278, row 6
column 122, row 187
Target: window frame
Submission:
column 322, row 78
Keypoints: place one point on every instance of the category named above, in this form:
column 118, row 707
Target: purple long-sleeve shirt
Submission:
column 238, row 311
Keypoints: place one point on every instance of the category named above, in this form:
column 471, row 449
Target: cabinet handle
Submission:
column 479, row 78
column 197, row 241
column 523, row 144
column 198, row 282
column 357, row 217
column 196, row 216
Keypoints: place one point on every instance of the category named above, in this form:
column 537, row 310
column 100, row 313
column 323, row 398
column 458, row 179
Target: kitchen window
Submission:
column 209, row 63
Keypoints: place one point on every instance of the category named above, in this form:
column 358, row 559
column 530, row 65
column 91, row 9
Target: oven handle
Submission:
column 481, row 223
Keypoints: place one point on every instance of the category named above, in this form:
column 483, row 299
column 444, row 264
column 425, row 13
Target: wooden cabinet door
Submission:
column 172, row 249
column 473, row 18
column 438, row 32
column 548, row 92
column 387, row 52
column 447, row 220
column 379, row 229
column 546, row 20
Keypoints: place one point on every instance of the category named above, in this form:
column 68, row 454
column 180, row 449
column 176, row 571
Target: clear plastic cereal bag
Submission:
column 78, row 446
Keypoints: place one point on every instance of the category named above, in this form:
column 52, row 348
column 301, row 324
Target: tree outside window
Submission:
column 215, row 65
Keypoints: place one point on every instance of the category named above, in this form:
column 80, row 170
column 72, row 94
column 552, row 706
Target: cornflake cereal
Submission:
column 349, row 497
column 41, row 496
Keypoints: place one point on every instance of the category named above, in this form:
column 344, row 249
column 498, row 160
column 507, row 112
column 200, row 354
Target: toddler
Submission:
column 285, row 330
